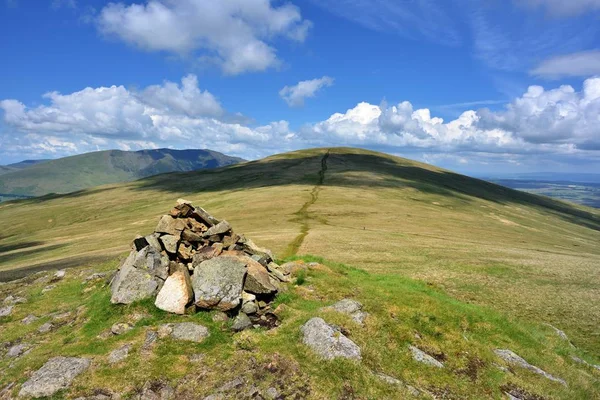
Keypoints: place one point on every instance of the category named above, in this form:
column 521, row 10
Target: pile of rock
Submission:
column 192, row 260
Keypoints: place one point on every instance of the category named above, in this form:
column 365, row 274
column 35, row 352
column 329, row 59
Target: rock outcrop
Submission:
column 55, row 375
column 326, row 341
column 192, row 260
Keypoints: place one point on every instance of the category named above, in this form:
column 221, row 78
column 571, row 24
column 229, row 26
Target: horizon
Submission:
column 474, row 88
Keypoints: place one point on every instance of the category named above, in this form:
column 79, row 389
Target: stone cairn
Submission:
column 194, row 261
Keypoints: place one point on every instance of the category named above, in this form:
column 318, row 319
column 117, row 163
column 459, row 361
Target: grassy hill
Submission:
column 452, row 264
column 4, row 169
column 82, row 171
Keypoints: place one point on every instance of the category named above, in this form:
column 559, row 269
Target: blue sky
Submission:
column 478, row 87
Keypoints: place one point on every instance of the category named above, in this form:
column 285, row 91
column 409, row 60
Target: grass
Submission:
column 523, row 256
column 402, row 311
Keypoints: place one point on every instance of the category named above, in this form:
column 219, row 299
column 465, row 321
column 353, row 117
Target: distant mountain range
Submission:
column 547, row 177
column 39, row 177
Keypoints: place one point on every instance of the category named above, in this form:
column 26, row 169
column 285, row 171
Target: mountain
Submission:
column 18, row 166
column 82, row 171
column 457, row 267
column 548, row 177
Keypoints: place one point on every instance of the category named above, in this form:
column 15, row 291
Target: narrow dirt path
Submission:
column 302, row 216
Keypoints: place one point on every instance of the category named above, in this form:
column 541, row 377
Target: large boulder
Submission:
column 57, row 374
column 218, row 283
column 132, row 284
column 151, row 260
column 329, row 343
column 176, row 293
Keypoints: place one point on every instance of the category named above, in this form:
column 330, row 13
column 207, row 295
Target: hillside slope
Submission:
column 486, row 258
column 78, row 172
column 4, row 169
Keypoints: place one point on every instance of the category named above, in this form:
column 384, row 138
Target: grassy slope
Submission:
column 527, row 257
column 98, row 168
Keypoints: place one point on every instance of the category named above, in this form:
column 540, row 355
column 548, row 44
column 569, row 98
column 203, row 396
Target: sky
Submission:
column 476, row 86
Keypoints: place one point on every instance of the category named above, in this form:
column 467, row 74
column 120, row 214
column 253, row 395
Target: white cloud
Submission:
column 581, row 64
column 295, row 95
column 563, row 8
column 555, row 124
column 233, row 33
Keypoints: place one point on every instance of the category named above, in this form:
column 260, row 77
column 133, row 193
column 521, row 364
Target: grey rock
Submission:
column 119, row 354
column 271, row 393
column 218, row 229
column 176, row 293
column 153, row 242
column 151, row 260
column 190, row 332
column 12, row 300
column 48, row 288
column 204, row 216
column 170, row 243
column 514, row 359
column 250, row 247
column 422, row 357
column 6, row 311
column 150, row 339
column 96, row 276
column 29, row 319
column 220, row 317
column 233, row 384
column 17, row 350
column 327, row 342
column 249, row 308
column 45, row 328
column 293, row 267
column 170, row 225
column 57, row 374
column 352, row 308
column 560, row 334
column 389, row 379
column 218, row 283
column 60, row 274
column 196, row 358
column 582, row 361
column 132, row 284
column 61, row 316
column 120, row 328
column 241, row 322
column 257, row 280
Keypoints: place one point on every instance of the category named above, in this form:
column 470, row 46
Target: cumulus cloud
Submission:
column 232, row 33
column 557, row 120
column 114, row 117
column 295, row 95
column 581, row 64
column 563, row 8
column 560, row 123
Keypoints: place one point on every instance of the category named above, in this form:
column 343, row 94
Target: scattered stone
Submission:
column 60, row 274
column 11, row 300
column 18, row 350
column 272, row 393
column 176, row 293
column 241, row 322
column 57, row 374
column 48, row 288
column 422, row 357
column 220, row 316
column 190, row 332
column 6, row 311
column 352, row 308
column 233, row 384
column 582, row 361
column 218, row 283
column 96, row 276
column 561, row 334
column 249, row 308
column 151, row 338
column 61, row 316
column 196, row 358
column 119, row 354
column 29, row 319
column 45, row 328
column 327, row 342
column 156, row 391
column 293, row 267
column 120, row 328
column 514, row 359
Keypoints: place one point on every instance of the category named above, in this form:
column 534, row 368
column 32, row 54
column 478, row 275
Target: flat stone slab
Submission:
column 6, row 311
column 119, row 354
column 422, row 357
column 188, row 331
column 514, row 359
column 327, row 342
column 57, row 374
column 350, row 307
